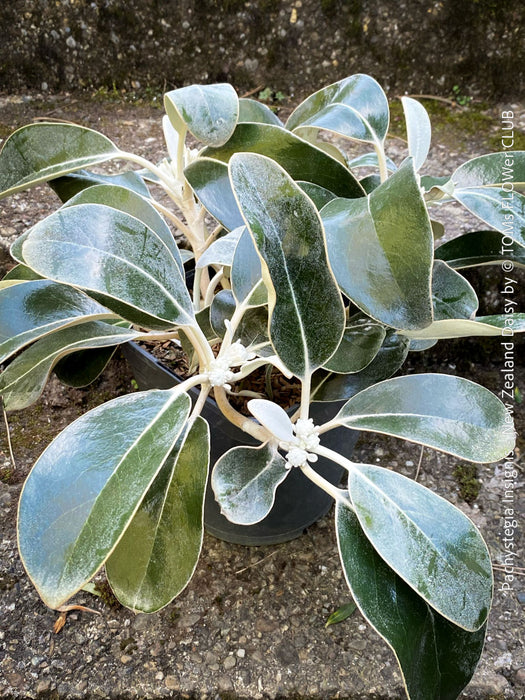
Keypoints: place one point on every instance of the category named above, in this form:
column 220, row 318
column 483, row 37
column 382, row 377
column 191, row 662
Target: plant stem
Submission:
column 246, row 424
column 380, row 151
column 197, row 289
column 306, row 385
column 145, row 163
column 337, row 494
column 212, row 287
column 335, row 457
column 181, row 226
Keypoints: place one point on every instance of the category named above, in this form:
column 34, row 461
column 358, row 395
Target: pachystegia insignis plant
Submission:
column 328, row 276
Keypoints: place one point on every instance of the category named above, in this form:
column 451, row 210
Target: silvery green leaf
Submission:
column 448, row 413
column 40, row 152
column 419, row 130
column 38, row 307
column 307, row 314
column 112, row 455
column 156, row 556
column 355, row 107
column 435, row 656
column 171, row 137
column 245, row 480
column 221, row 251
column 114, row 257
column 381, row 250
column 129, row 202
column 253, row 111
column 273, row 418
column 209, row 112
column 210, row 181
column 479, row 248
column 452, row 295
column 301, row 159
column 492, row 170
column 504, row 211
column 246, row 273
column 428, row 542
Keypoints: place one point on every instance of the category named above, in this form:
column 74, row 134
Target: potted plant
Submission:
column 327, row 277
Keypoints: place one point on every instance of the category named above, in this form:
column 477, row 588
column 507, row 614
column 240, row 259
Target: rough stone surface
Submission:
column 288, row 45
column 269, row 602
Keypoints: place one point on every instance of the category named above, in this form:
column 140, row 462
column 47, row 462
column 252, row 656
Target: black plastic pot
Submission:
column 298, row 504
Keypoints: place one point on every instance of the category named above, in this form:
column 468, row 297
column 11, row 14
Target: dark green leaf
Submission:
column 436, row 657
column 493, row 169
column 157, row 554
column 300, row 159
column 82, row 368
column 359, row 345
column 319, row 195
column 21, row 272
column 452, row 295
column 210, row 181
column 222, row 308
column 86, row 487
column 246, row 273
column 70, row 185
column 479, row 248
column 338, row 387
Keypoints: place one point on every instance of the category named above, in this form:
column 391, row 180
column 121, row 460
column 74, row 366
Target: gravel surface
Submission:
column 251, row 623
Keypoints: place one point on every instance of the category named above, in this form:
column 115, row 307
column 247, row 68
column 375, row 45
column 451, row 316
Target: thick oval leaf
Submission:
column 70, row 185
column 505, row 211
column 221, row 251
column 157, row 555
column 210, row 181
column 253, row 111
column 339, row 387
column 381, row 250
column 136, row 205
column 116, row 257
column 419, row 130
column 246, row 273
column 479, row 248
column 209, row 112
column 359, row 345
column 428, row 542
column 493, row 169
column 452, row 295
column 40, row 152
column 84, row 490
column 245, row 480
column 300, row 159
column 32, row 310
column 447, row 413
column 482, row 326
column 23, row 381
column 437, row 658
column 307, row 313
column 355, row 107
